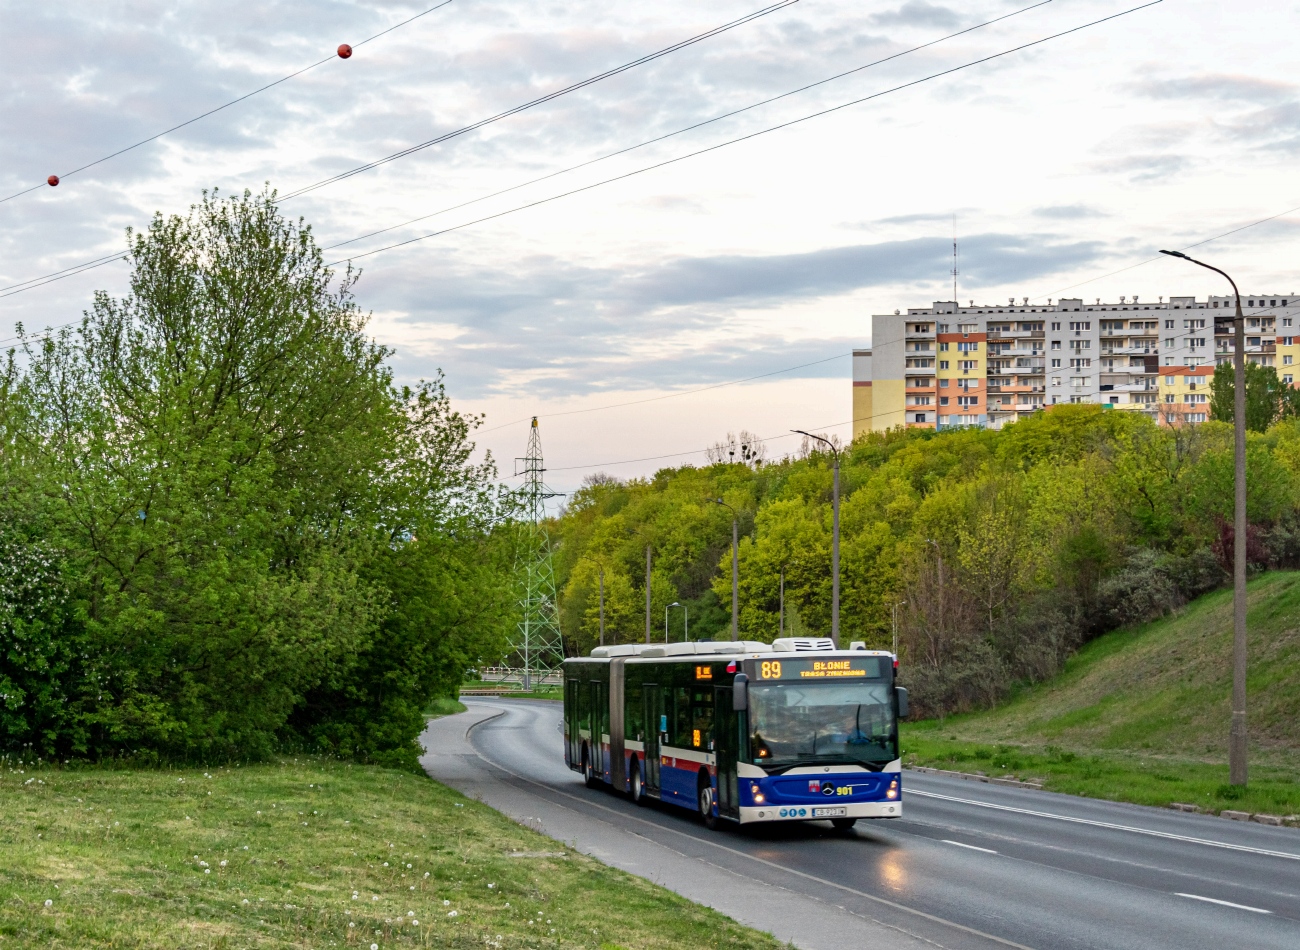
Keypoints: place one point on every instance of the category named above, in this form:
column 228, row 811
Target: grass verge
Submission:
column 441, row 706
column 308, row 853
column 1124, row 777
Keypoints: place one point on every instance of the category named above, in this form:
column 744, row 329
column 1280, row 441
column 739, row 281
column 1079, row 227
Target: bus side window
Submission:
column 584, row 706
column 702, row 716
column 634, row 713
column 682, row 720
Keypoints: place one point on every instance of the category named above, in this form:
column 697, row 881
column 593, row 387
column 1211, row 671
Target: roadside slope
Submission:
column 1142, row 714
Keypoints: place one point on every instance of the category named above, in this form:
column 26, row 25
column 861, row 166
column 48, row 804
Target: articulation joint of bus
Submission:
column 795, row 730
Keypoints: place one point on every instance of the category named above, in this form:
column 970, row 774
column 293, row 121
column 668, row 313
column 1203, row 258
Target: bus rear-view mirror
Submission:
column 740, row 693
column 901, row 693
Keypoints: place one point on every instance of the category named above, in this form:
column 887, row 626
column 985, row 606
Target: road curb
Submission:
column 975, row 777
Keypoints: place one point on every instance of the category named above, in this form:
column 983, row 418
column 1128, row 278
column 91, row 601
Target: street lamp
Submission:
column 894, row 616
column 735, row 568
column 686, row 633
column 1237, row 731
column 835, row 537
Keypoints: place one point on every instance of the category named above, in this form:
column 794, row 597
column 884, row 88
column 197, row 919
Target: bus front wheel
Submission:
column 706, row 805
column 843, row 824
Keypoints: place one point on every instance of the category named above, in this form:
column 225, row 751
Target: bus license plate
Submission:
column 830, row 812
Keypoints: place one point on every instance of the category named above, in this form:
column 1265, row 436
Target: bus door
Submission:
column 599, row 727
column 654, row 710
column 725, row 748
column 573, row 747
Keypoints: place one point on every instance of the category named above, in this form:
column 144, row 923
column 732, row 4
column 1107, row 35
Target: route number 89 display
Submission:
column 771, row 669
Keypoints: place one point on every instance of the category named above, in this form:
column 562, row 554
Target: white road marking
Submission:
column 1211, row 900
column 971, row 846
column 1208, row 842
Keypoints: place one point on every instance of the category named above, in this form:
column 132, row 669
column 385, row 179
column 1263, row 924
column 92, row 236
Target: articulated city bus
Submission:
column 747, row 732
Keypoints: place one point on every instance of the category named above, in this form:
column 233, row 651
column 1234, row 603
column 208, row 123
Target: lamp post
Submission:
column 781, row 606
column 686, row 633
column 1237, row 731
column 602, row 606
column 893, row 610
column 735, row 569
column 835, row 537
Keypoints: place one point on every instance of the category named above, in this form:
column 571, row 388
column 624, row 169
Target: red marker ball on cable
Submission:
column 345, row 51
column 52, row 180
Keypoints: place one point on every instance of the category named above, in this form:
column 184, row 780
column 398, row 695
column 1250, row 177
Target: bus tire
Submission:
column 843, row 824
column 705, row 799
column 637, row 788
column 588, row 773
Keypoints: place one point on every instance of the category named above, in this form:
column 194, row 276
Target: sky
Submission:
column 645, row 318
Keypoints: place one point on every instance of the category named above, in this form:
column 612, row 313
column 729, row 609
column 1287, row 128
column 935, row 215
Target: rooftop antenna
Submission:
column 954, row 260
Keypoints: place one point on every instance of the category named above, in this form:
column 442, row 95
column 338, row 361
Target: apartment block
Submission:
column 987, row 365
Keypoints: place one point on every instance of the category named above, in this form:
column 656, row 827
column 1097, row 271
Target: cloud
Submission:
column 1068, row 212
column 555, row 326
column 1216, row 86
column 918, row 13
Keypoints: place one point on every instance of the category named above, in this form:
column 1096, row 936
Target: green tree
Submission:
column 240, row 493
column 1267, row 397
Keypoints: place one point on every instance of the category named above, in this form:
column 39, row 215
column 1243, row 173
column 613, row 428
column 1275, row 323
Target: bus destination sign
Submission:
column 867, row 667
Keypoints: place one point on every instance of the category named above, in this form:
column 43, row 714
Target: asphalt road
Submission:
column 969, row 866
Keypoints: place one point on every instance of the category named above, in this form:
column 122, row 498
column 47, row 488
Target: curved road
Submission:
column 969, row 866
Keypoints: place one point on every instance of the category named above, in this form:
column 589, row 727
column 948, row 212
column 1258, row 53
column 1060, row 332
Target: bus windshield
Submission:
column 811, row 723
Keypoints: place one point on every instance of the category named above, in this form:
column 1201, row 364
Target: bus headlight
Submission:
column 758, row 795
column 893, row 789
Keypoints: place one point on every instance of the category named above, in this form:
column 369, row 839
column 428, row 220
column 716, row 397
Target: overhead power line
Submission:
column 574, row 87
column 747, row 137
column 344, row 52
column 72, row 271
column 689, row 128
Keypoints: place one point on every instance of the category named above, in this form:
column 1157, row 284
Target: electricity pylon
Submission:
column 537, row 647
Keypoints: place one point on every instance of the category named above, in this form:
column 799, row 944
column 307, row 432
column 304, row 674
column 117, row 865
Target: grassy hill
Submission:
column 1142, row 714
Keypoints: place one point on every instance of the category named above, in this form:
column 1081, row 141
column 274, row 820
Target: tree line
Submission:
column 992, row 554
column 225, row 530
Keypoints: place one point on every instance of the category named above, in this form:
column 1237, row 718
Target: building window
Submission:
column 1056, row 364
column 1286, row 321
column 968, row 347
column 943, row 364
column 1169, row 397
column 1169, row 324
column 919, row 417
column 1196, row 417
column 1056, row 344
column 1169, row 343
column 943, row 400
column 1287, row 379
column 943, row 383
column 1286, row 360
column 1056, row 326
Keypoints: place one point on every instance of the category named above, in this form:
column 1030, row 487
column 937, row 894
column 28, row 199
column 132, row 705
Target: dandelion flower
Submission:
column 410, row 913
column 490, row 886
column 385, row 864
column 426, row 873
column 374, row 946
column 415, row 923
column 223, row 864
column 446, row 903
column 207, row 870
column 245, row 900
column 453, row 914
column 49, row 903
column 412, row 887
